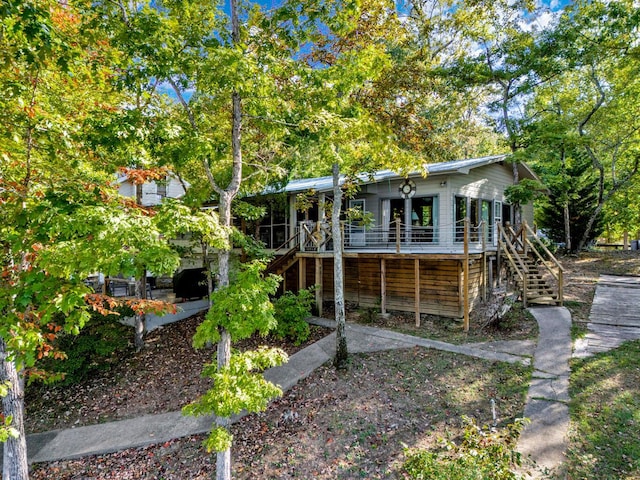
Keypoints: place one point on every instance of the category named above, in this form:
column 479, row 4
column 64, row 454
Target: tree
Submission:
column 62, row 219
column 43, row 121
column 594, row 101
column 233, row 85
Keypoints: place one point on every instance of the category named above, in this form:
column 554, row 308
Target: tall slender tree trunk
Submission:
column 206, row 264
column 338, row 278
column 567, row 226
column 140, row 318
column 223, row 459
column 565, row 210
column 15, row 465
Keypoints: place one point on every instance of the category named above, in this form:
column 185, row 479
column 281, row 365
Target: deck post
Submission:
column 498, row 255
column 484, row 261
column 490, row 275
column 398, row 235
column 383, row 286
column 302, row 273
column 319, row 290
column 417, row 289
column 465, row 270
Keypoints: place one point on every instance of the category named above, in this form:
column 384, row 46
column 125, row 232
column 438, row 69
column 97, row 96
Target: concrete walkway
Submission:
column 542, row 440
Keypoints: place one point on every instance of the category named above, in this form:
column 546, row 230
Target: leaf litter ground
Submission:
column 352, row 424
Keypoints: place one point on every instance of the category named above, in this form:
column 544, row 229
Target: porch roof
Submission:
column 324, row 184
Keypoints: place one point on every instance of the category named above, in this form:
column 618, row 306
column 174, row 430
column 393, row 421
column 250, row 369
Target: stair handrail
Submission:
column 277, row 261
column 559, row 276
column 510, row 253
column 294, row 238
column 516, row 235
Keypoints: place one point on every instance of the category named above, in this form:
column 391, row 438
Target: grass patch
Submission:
column 578, row 330
column 605, row 415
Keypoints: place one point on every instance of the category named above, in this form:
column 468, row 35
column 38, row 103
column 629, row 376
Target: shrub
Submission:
column 101, row 342
column 369, row 315
column 483, row 454
column 291, row 311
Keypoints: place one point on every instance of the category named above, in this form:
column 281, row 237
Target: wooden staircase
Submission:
column 281, row 263
column 529, row 266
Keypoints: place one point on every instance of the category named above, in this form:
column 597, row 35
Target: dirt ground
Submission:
column 352, row 424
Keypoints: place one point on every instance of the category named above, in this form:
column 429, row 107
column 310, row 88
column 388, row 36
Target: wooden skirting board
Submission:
column 422, row 283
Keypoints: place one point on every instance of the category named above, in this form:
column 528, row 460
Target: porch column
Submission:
column 293, row 217
column 319, row 292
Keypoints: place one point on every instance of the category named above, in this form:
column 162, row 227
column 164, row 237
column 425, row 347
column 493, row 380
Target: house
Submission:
column 432, row 246
column 152, row 192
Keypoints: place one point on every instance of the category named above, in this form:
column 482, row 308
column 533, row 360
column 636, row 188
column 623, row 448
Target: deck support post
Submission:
column 490, row 276
column 417, row 291
column 484, row 261
column 465, row 274
column 383, row 286
column 498, row 255
column 319, row 290
column 302, row 273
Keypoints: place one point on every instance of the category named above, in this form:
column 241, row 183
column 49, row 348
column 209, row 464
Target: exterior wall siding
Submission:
column 441, row 282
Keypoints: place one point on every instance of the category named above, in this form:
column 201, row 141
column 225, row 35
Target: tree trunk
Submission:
column 587, row 232
column 567, row 226
column 140, row 318
column 341, row 338
column 15, row 466
column 206, row 264
column 517, row 208
column 223, row 459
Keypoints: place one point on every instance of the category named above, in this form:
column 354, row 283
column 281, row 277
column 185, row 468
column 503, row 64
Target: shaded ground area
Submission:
column 331, row 406
column 351, row 424
column 163, row 377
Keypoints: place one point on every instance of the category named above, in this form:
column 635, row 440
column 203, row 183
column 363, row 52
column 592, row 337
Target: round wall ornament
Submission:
column 407, row 188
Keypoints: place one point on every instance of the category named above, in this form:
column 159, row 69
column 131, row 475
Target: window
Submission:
column 161, row 187
column 460, row 212
column 272, row 229
column 486, row 214
column 424, row 219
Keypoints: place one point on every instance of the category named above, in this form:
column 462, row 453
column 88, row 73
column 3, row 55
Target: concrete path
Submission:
column 544, row 441
column 145, row 430
column 184, row 310
column 614, row 316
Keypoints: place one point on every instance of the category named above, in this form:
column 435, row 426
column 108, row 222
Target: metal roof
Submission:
column 443, row 168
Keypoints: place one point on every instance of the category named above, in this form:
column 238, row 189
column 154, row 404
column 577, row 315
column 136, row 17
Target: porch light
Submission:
column 443, row 183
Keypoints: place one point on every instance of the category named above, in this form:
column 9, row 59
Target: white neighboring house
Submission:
column 152, row 192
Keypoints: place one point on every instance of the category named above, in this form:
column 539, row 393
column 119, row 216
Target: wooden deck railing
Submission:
column 521, row 248
column 399, row 237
